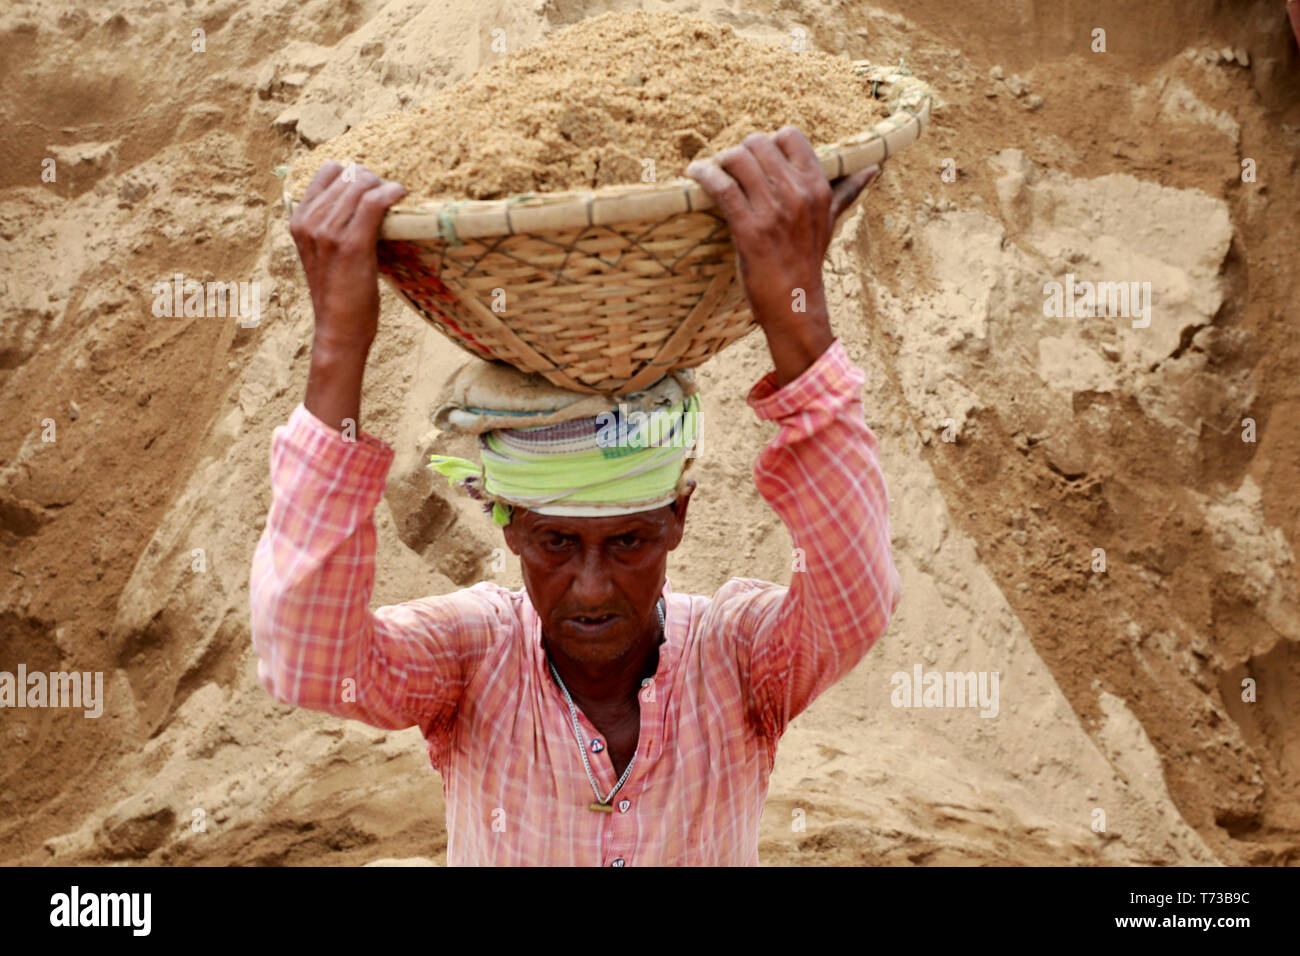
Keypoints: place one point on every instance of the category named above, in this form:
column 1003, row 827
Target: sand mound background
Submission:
column 1119, row 691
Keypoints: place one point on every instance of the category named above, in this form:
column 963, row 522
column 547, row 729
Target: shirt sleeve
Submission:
column 820, row 474
column 318, row 644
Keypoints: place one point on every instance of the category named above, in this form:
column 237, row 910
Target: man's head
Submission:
column 592, row 567
column 592, row 506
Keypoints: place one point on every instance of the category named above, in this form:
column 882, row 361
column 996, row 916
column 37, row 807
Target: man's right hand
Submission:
column 336, row 229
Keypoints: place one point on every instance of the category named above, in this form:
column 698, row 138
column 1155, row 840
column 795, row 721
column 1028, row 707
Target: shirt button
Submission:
column 597, row 746
column 624, row 806
column 618, row 861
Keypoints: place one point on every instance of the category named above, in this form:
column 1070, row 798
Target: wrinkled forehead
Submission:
column 531, row 522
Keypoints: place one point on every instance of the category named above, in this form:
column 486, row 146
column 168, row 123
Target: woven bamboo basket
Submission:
column 603, row 291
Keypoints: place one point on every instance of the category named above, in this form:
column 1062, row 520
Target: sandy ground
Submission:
column 1015, row 445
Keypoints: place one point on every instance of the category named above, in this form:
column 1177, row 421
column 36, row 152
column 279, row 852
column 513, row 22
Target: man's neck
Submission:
column 611, row 685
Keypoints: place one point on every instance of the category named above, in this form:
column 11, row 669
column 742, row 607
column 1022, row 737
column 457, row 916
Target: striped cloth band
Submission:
column 618, row 462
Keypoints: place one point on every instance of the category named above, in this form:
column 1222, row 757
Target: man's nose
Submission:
column 592, row 586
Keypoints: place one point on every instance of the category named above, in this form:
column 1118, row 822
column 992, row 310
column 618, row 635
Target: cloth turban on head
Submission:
column 577, row 455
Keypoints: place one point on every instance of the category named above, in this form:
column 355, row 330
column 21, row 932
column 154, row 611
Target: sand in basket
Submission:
column 603, row 102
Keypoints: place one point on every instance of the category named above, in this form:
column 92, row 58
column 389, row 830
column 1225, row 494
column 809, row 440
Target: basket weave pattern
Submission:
column 609, row 309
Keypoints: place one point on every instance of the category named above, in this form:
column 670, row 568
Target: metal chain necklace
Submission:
column 600, row 805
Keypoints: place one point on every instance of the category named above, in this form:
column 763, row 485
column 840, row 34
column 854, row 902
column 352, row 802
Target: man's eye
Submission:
column 628, row 540
column 555, row 542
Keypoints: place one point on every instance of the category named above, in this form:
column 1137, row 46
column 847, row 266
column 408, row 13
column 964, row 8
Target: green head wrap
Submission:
column 617, row 462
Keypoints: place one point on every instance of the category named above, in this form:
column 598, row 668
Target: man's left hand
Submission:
column 782, row 213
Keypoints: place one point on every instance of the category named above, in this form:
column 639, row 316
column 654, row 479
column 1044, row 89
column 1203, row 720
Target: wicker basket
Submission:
column 603, row 291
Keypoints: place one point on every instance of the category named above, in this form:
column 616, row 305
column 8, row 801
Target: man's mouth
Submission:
column 592, row 624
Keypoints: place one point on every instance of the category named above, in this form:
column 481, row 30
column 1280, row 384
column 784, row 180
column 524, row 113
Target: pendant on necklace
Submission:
column 601, row 807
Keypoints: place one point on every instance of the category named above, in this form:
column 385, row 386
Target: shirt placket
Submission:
column 623, row 822
column 619, row 827
column 602, row 768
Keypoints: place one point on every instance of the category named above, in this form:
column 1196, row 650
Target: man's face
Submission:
column 596, row 567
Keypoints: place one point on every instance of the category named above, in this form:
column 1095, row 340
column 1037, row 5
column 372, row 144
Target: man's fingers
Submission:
column 726, row 192
column 373, row 207
column 349, row 194
column 739, row 163
column 324, row 176
column 305, row 213
column 791, row 141
column 775, row 167
column 846, row 189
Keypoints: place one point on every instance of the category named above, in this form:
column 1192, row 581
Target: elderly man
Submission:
column 594, row 717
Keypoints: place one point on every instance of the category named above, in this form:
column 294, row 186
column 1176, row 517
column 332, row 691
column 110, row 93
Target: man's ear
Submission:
column 679, row 514
column 511, row 532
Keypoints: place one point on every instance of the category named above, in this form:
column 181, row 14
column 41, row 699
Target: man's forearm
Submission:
column 334, row 383
column 797, row 339
column 794, row 349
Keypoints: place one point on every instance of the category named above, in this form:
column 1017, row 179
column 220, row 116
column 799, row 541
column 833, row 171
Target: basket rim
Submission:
column 452, row 220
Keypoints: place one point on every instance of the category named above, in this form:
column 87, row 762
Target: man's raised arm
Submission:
column 319, row 645
column 820, row 473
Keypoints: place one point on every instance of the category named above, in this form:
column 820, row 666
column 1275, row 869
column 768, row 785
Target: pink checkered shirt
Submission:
column 468, row 668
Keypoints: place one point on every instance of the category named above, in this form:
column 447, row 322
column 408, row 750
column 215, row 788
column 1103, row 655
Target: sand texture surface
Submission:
column 1016, row 445
column 605, row 101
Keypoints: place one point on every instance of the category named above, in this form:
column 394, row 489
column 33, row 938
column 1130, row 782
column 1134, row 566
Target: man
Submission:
column 569, row 725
